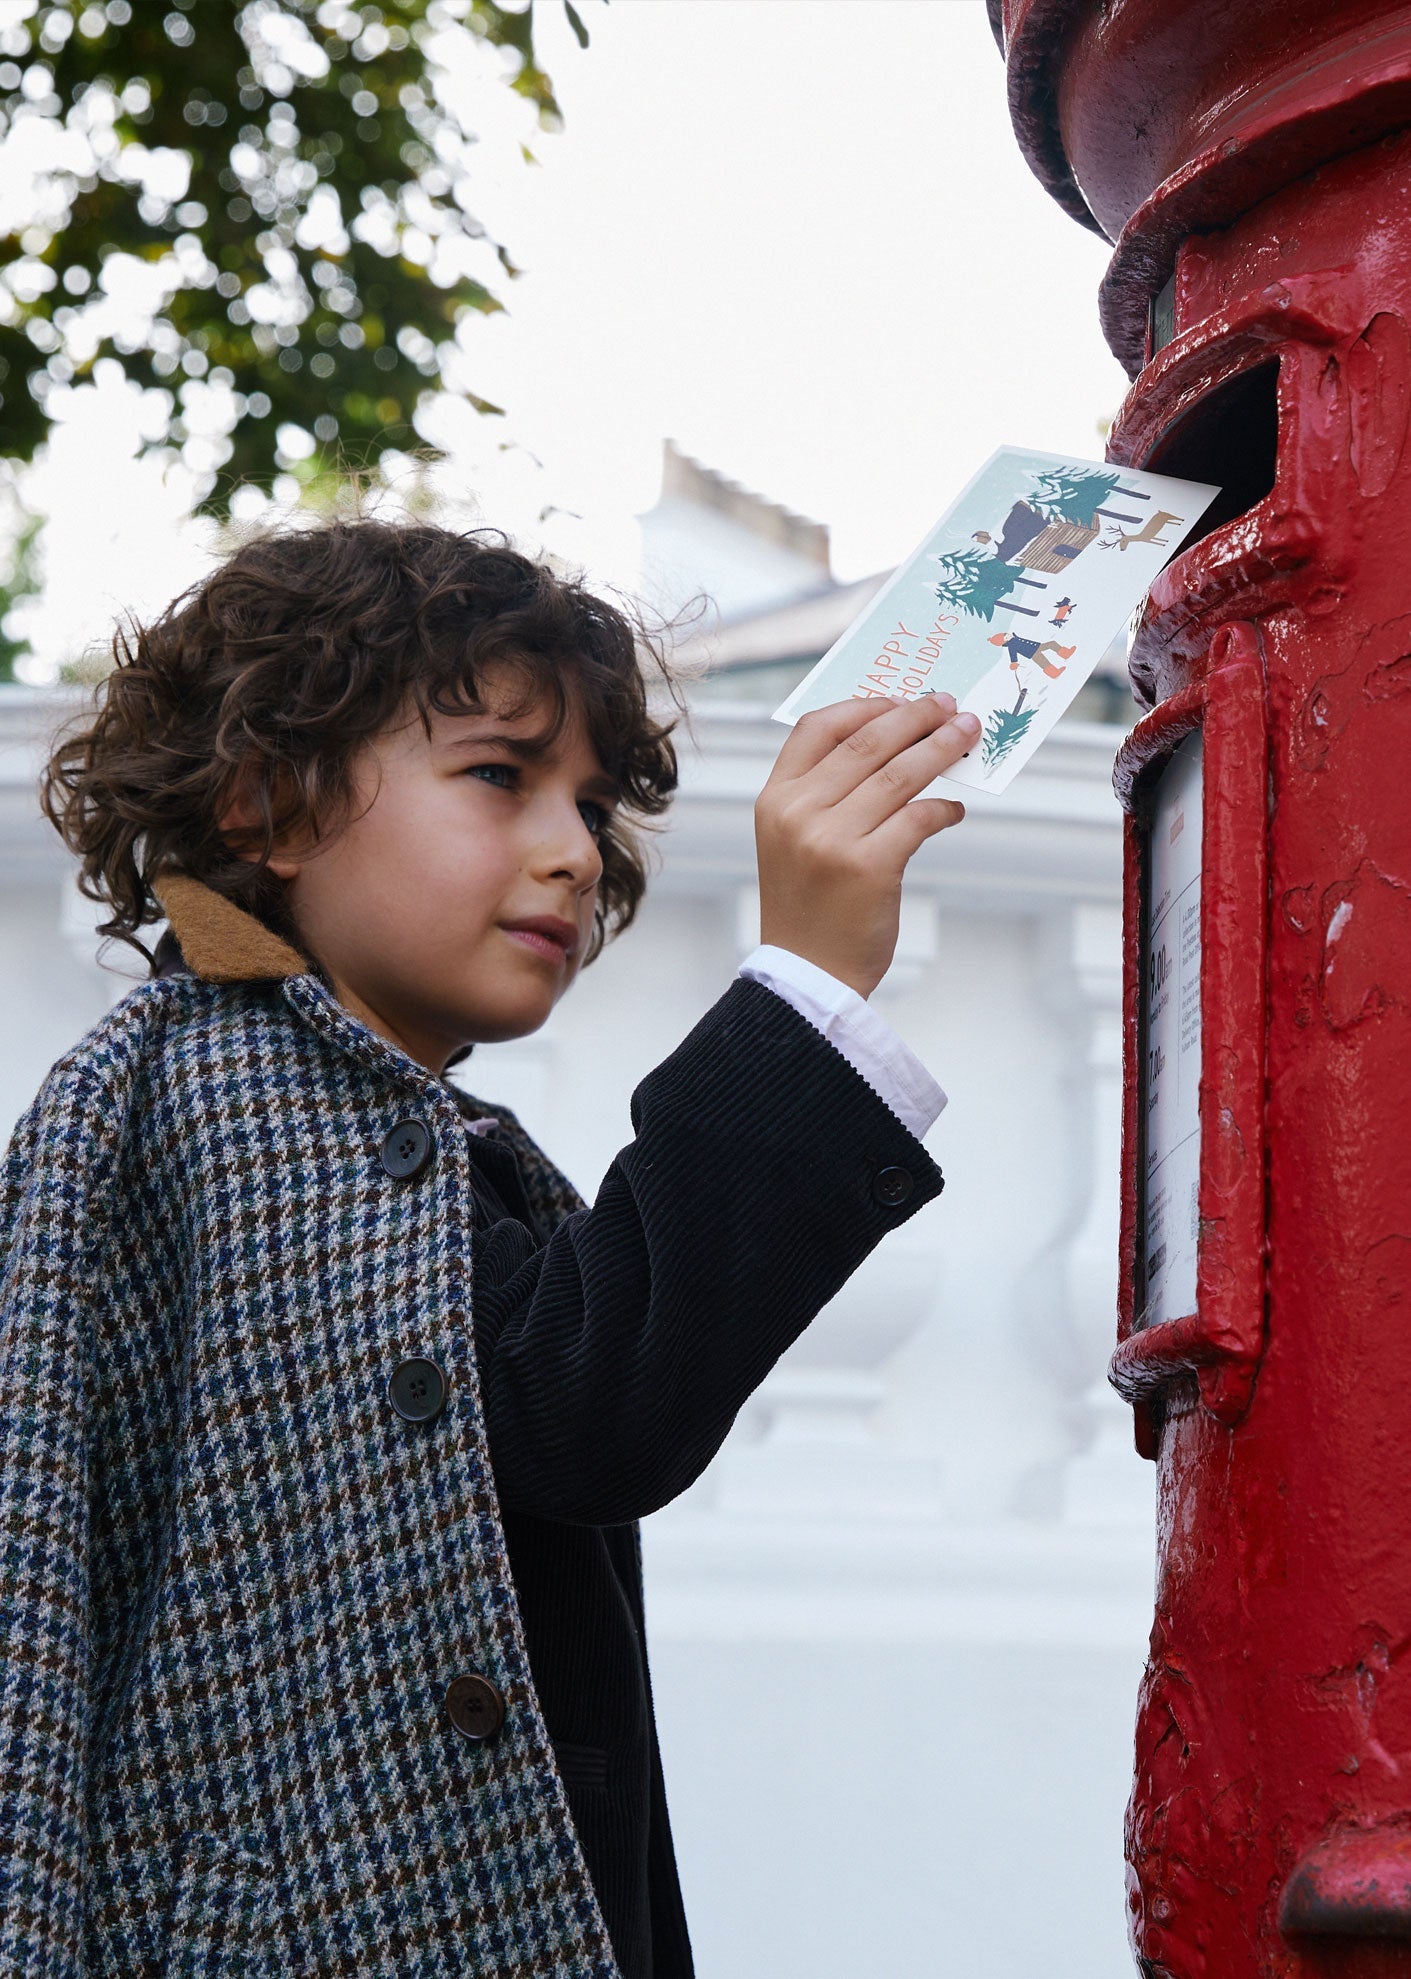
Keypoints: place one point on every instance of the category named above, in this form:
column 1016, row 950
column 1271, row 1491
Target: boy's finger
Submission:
column 861, row 753
column 815, row 734
column 904, row 776
column 917, row 821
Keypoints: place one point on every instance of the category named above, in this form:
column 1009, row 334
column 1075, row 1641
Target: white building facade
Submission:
column 898, row 1625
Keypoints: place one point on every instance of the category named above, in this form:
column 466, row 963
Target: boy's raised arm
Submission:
column 763, row 1171
column 614, row 1359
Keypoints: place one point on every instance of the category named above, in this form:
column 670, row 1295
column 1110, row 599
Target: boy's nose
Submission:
column 575, row 853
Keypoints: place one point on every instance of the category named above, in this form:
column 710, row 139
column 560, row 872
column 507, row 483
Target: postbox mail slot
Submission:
column 1229, row 434
column 1192, row 1291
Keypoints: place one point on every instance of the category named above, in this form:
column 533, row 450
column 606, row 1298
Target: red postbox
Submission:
column 1252, row 165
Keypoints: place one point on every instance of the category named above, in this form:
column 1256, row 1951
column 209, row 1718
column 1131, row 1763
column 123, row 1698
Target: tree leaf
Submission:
column 297, row 179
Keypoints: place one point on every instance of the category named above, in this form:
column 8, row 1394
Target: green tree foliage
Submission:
column 972, row 582
column 296, row 182
column 1006, row 728
column 1068, row 495
column 19, row 579
column 1076, row 495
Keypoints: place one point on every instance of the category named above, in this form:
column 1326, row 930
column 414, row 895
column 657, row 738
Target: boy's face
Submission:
column 418, row 907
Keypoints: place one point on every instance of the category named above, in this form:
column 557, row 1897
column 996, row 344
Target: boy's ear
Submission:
column 241, row 824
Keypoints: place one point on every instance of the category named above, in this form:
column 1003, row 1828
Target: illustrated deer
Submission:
column 1150, row 532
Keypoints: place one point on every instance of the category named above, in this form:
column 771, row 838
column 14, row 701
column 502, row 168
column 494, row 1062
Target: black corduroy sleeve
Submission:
column 614, row 1359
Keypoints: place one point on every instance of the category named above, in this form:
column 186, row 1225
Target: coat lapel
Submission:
column 220, row 942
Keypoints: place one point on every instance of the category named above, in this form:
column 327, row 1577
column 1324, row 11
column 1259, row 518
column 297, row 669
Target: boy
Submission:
column 329, row 1410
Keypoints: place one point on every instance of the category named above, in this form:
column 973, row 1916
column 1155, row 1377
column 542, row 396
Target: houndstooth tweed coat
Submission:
column 299, row 1578
column 234, row 1584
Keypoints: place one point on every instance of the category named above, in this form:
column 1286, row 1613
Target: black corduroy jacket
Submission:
column 661, row 1397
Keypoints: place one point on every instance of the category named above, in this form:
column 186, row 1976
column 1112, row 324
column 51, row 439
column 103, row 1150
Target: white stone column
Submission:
column 810, row 1443
column 1104, row 1483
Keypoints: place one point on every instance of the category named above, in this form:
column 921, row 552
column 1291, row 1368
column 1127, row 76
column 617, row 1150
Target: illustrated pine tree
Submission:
column 1071, row 494
column 971, row 582
column 1006, row 728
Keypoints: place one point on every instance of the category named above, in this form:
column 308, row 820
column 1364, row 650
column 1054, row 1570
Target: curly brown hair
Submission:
column 270, row 674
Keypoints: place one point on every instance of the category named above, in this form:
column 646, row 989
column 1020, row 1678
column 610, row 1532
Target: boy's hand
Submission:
column 835, row 827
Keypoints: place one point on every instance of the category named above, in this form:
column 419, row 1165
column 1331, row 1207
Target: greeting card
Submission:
column 1011, row 600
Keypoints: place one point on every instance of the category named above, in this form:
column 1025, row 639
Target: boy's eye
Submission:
column 502, row 774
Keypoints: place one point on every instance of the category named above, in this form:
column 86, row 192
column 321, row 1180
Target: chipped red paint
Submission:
column 1258, row 159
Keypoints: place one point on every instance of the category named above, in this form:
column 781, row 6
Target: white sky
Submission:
column 794, row 235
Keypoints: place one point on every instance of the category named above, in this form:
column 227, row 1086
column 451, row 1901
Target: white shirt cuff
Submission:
column 854, row 1028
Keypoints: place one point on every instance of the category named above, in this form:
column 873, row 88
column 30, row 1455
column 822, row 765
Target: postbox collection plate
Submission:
column 1193, row 777
column 1169, row 1096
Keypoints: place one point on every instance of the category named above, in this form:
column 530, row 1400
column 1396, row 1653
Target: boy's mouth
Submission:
column 546, row 935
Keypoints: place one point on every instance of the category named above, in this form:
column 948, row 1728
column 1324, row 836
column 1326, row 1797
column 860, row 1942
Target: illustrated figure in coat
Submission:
column 1019, row 648
column 329, row 1409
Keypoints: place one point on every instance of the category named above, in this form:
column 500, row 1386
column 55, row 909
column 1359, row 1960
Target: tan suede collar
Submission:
column 220, row 941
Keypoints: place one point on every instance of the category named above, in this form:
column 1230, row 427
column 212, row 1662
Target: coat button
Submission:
column 407, row 1149
column 417, row 1391
column 475, row 1707
column 892, row 1186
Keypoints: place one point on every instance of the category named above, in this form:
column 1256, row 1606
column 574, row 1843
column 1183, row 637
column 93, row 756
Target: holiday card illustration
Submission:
column 1011, row 601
